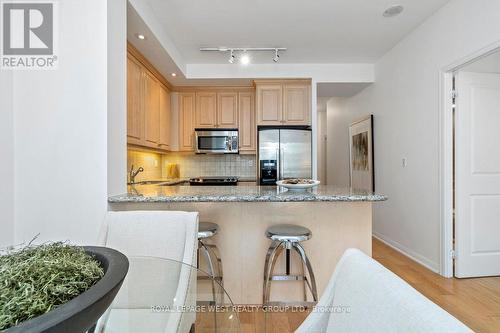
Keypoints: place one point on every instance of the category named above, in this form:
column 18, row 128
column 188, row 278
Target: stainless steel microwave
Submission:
column 216, row 141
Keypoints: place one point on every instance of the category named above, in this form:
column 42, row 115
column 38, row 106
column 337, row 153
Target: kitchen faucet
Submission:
column 133, row 173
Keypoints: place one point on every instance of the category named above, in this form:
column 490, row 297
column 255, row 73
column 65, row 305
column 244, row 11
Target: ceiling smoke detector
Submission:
column 393, row 11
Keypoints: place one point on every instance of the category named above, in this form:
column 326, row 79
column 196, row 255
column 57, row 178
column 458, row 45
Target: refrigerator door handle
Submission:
column 278, row 164
column 282, row 164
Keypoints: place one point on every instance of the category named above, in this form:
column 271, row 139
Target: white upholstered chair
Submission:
column 363, row 296
column 141, row 235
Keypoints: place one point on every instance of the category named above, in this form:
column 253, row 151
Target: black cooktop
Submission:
column 214, row 181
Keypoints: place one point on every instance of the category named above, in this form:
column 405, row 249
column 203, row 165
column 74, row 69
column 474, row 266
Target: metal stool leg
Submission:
column 305, row 260
column 303, row 271
column 270, row 250
column 218, row 275
column 272, row 255
column 211, row 268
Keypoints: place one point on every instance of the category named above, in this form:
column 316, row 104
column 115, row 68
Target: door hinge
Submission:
column 453, row 94
column 453, row 254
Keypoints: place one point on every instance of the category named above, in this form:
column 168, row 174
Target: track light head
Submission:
column 276, row 57
column 231, row 57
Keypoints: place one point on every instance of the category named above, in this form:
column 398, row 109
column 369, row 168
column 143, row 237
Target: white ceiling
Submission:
column 153, row 50
column 318, row 31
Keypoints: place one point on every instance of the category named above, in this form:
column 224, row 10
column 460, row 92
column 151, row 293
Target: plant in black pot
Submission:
column 58, row 287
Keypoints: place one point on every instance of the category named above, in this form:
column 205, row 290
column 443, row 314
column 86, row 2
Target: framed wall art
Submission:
column 362, row 171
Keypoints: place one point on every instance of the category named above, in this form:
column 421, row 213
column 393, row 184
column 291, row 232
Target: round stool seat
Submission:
column 207, row 229
column 288, row 233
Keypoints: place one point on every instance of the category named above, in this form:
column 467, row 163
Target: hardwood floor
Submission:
column 476, row 302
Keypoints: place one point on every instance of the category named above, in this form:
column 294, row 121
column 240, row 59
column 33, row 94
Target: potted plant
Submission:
column 58, row 287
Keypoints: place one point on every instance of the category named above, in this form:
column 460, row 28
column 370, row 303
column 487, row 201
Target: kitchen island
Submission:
column 338, row 218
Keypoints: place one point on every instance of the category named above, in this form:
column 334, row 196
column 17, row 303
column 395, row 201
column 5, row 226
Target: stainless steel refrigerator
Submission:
column 284, row 153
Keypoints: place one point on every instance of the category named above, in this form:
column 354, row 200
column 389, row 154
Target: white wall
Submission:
column 405, row 101
column 61, row 133
column 339, row 118
column 7, row 161
column 321, row 137
column 117, row 96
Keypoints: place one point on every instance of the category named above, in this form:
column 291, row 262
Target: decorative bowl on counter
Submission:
column 298, row 184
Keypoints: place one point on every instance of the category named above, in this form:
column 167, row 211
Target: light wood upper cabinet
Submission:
column 206, row 110
column 148, row 104
column 165, row 118
column 269, row 104
column 186, row 121
column 151, row 109
column 247, row 126
column 286, row 102
column 135, row 119
column 296, row 104
column 227, row 110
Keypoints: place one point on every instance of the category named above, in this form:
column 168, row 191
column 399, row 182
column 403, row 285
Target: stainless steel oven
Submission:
column 216, row 141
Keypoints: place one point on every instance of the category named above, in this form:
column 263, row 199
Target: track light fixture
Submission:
column 245, row 58
column 232, row 57
column 276, row 55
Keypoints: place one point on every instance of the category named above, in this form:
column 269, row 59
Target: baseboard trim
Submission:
column 407, row 252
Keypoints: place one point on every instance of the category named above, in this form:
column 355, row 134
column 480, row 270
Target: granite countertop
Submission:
column 323, row 193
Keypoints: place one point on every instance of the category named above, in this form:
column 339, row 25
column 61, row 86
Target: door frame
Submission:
column 446, row 154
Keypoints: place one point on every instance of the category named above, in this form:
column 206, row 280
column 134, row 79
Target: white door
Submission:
column 477, row 175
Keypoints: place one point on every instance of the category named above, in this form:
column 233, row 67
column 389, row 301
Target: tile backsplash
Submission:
column 191, row 165
column 212, row 165
column 151, row 162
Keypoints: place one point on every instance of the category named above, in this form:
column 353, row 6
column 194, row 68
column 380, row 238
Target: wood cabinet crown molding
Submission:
column 281, row 81
column 132, row 51
column 212, row 88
